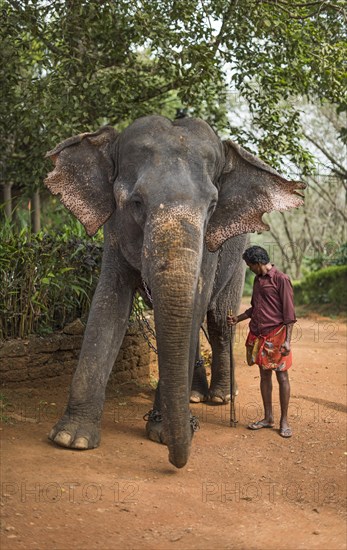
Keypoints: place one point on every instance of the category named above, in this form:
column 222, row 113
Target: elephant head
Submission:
column 173, row 192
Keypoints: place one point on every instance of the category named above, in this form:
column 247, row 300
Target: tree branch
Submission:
column 319, row 189
column 320, row 3
column 310, row 234
column 225, row 19
column 34, row 28
column 342, row 172
column 280, row 5
column 297, row 261
column 285, row 258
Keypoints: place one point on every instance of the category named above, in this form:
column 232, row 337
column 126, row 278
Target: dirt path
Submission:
column 240, row 490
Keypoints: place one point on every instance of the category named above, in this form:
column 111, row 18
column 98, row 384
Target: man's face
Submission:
column 255, row 268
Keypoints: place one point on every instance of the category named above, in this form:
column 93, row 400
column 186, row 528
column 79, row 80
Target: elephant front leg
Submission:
column 220, row 369
column 79, row 428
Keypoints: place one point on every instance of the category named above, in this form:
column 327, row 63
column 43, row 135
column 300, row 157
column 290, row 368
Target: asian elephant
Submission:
column 176, row 203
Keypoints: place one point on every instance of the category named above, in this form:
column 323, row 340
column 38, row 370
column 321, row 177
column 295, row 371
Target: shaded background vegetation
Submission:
column 47, row 280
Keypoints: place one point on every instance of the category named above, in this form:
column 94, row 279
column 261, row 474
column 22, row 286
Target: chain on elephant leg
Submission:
column 155, row 428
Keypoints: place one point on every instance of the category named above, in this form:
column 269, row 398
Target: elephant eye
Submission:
column 137, row 209
column 136, row 202
column 212, row 208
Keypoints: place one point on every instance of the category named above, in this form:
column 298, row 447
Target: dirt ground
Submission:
column 240, row 490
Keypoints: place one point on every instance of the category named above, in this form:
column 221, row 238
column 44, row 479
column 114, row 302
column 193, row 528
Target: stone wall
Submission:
column 37, row 358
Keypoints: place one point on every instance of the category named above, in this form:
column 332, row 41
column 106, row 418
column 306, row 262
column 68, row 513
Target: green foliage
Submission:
column 249, row 279
column 138, row 308
column 46, row 280
column 341, row 255
column 56, row 218
column 334, row 256
column 72, row 66
column 326, row 286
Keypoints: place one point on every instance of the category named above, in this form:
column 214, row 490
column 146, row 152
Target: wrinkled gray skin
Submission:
column 176, row 203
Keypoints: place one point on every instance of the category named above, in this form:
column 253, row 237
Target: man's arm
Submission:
column 289, row 318
column 234, row 319
column 285, row 348
column 285, row 290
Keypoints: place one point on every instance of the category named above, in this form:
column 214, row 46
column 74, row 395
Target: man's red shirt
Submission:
column 272, row 302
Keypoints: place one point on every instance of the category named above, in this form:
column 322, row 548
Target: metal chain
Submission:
column 147, row 291
column 146, row 329
column 194, row 423
column 154, row 416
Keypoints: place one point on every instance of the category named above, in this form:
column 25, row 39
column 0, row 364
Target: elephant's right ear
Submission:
column 83, row 175
column 248, row 189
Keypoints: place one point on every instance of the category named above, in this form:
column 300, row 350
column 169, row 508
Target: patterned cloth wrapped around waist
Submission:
column 265, row 351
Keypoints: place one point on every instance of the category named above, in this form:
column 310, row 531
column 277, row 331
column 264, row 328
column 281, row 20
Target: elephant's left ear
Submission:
column 83, row 176
column 247, row 189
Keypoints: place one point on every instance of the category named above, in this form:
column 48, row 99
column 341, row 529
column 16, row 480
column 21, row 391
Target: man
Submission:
column 270, row 330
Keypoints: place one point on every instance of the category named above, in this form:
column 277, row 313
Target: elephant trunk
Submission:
column 173, row 276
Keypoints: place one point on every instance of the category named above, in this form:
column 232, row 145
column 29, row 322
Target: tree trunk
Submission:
column 35, row 212
column 8, row 200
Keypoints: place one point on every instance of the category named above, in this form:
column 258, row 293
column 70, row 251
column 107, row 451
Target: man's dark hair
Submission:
column 256, row 255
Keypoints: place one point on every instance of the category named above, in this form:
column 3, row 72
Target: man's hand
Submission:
column 232, row 320
column 285, row 348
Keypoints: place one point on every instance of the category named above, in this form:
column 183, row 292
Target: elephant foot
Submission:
column 155, row 430
column 221, row 397
column 199, row 391
column 154, row 427
column 220, row 390
column 197, row 397
column 73, row 434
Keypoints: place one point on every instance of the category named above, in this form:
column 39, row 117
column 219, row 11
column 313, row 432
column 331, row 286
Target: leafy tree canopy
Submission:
column 71, row 65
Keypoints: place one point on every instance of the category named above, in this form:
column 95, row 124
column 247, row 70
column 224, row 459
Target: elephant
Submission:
column 176, row 204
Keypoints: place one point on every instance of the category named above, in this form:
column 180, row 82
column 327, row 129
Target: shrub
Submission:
column 325, row 286
column 46, row 280
column 331, row 256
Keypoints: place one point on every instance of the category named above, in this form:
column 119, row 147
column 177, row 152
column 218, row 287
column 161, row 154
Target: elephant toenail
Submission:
column 81, row 443
column 217, row 399
column 63, row 438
